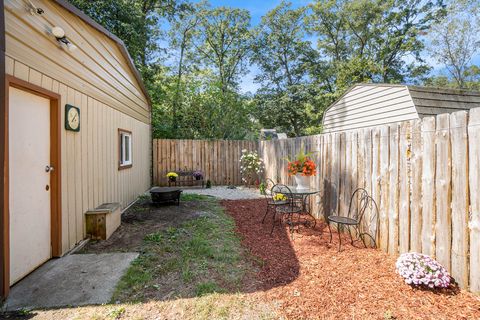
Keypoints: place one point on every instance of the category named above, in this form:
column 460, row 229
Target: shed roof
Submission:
column 121, row 45
column 431, row 101
column 366, row 105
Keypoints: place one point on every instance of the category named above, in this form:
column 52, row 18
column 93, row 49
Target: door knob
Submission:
column 49, row 168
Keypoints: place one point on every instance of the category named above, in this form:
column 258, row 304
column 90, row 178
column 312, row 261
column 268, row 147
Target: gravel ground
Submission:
column 228, row 194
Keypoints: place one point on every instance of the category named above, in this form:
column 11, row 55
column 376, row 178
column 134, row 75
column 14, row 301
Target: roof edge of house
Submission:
column 121, row 45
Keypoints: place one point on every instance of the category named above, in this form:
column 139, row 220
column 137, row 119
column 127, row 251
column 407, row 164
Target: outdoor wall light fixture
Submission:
column 34, row 10
column 59, row 34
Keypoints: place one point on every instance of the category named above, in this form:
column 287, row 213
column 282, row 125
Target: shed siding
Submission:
column 366, row 106
column 97, row 79
column 96, row 67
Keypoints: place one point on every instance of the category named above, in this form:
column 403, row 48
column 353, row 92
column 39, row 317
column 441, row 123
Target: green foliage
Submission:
column 209, row 184
column 306, row 57
column 288, row 99
column 262, row 188
column 193, row 197
column 454, row 40
column 207, row 288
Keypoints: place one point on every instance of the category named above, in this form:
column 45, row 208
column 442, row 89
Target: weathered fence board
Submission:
column 458, row 124
column 416, row 188
column 428, row 186
column 474, row 183
column 404, row 188
column 384, row 186
column 393, row 190
column 443, row 232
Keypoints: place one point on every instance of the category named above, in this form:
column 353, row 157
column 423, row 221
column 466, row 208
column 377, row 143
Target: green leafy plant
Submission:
column 263, row 188
column 209, row 184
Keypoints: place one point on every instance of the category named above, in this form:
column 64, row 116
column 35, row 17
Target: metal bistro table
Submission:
column 303, row 195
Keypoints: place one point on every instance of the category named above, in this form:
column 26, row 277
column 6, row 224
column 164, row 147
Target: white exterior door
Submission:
column 29, row 183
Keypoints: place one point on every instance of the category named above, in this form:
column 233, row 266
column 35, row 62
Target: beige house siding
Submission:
column 97, row 79
column 96, row 67
column 367, row 105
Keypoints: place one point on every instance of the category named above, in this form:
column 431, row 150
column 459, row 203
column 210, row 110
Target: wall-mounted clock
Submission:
column 72, row 118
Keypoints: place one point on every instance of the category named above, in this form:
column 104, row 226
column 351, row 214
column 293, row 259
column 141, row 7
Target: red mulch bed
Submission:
column 311, row 280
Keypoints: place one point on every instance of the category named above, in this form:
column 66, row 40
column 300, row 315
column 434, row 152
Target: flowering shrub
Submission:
column 172, row 176
column 302, row 165
column 251, row 166
column 421, row 270
column 197, row 174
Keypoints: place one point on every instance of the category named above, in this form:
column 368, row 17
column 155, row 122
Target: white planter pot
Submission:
column 303, row 182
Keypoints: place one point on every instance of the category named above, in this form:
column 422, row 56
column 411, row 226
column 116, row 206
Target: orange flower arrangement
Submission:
column 302, row 165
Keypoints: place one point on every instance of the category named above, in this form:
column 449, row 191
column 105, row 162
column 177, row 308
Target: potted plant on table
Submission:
column 302, row 168
column 172, row 176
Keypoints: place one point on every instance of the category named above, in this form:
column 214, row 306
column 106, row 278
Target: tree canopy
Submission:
column 194, row 57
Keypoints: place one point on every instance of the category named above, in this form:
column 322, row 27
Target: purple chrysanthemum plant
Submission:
column 197, row 174
column 421, row 270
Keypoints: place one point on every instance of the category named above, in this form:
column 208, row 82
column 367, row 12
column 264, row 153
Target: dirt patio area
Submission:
column 211, row 259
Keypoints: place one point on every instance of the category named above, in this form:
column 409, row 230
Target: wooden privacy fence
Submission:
column 423, row 174
column 217, row 159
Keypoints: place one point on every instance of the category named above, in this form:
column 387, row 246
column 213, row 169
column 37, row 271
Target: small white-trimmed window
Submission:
column 125, row 149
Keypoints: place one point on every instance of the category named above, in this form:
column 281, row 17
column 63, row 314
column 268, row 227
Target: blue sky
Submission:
column 258, row 8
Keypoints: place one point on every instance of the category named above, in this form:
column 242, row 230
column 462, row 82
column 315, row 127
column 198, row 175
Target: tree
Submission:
column 286, row 99
column 456, row 39
column 223, row 41
column 181, row 33
column 370, row 40
column 137, row 23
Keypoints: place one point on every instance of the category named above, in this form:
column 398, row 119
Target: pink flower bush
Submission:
column 421, row 270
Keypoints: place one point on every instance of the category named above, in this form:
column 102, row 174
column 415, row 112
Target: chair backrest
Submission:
column 358, row 204
column 269, row 184
column 281, row 189
column 364, row 209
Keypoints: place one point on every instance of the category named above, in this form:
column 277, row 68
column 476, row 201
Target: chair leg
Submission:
column 330, row 230
column 350, row 233
column 339, row 239
column 273, row 222
column 266, row 213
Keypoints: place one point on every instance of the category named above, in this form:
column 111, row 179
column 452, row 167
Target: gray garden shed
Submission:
column 368, row 105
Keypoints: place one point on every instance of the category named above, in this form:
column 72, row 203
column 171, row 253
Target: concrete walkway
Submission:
column 74, row 280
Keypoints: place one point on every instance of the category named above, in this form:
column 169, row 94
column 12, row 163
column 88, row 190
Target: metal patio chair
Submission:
column 285, row 207
column 360, row 203
column 269, row 198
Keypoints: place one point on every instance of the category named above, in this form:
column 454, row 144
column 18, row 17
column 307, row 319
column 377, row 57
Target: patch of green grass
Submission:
column 208, row 287
column 117, row 313
column 194, row 197
column 201, row 256
column 154, row 237
column 136, row 277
